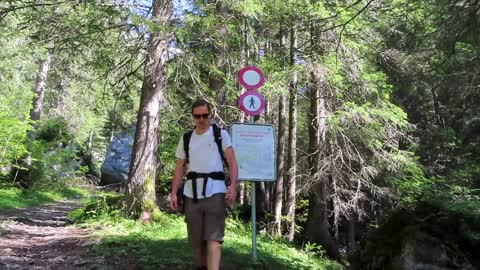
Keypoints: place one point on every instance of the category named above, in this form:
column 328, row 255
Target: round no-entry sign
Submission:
column 252, row 103
column 251, row 77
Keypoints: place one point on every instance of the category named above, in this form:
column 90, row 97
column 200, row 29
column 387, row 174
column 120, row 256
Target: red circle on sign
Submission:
column 251, row 77
column 252, row 103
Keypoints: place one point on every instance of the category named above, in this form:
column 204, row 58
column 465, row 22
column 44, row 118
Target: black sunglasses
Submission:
column 198, row 116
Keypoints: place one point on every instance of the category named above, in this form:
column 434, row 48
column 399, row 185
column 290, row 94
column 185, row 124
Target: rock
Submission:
column 59, row 259
column 5, row 170
column 117, row 161
column 425, row 252
column 428, row 236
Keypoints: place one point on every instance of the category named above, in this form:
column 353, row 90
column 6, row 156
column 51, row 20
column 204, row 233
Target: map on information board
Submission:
column 255, row 151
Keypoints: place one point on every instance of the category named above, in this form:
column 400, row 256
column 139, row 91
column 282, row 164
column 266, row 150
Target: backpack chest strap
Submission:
column 194, row 176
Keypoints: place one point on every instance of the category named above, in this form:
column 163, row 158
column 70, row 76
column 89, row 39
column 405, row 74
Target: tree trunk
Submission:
column 244, row 58
column 280, row 155
column 22, row 175
column 39, row 90
column 474, row 7
column 261, row 202
column 351, row 234
column 140, row 190
column 317, row 229
column 292, row 141
column 266, row 186
column 242, row 198
column 217, row 81
column 90, row 142
column 280, row 165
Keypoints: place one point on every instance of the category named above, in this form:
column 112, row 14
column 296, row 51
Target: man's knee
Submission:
column 214, row 243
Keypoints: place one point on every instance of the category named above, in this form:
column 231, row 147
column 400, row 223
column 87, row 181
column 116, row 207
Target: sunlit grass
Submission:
column 14, row 197
column 163, row 245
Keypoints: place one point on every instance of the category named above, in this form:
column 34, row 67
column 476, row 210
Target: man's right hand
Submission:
column 173, row 201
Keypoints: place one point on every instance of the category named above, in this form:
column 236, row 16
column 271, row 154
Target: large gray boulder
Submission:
column 422, row 251
column 430, row 235
column 117, row 161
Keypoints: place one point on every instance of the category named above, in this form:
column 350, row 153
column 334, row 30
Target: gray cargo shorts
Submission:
column 205, row 219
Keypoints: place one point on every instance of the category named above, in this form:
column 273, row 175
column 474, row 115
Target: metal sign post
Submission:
column 254, row 224
column 254, row 214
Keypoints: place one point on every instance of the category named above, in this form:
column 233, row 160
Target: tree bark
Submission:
column 90, row 142
column 140, row 190
column 280, row 165
column 217, row 81
column 351, row 234
column 266, row 186
column 280, row 155
column 261, row 201
column 23, row 174
column 244, row 55
column 474, row 7
column 39, row 89
column 317, row 229
column 292, row 141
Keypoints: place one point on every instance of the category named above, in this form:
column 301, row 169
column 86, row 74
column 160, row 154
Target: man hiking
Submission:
column 205, row 192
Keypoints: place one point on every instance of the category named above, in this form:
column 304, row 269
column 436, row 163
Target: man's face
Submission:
column 201, row 117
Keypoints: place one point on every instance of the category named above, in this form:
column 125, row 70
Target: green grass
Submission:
column 163, row 244
column 14, row 197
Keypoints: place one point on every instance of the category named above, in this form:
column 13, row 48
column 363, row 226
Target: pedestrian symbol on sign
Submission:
column 252, row 103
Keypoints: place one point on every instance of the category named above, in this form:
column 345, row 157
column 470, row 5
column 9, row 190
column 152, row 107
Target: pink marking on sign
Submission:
column 251, row 77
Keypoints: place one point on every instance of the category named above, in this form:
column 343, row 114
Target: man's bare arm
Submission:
column 177, row 180
column 233, row 168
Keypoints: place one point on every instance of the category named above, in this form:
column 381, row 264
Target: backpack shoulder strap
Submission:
column 217, row 134
column 186, row 144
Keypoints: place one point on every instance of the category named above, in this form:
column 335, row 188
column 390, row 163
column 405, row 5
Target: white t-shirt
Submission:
column 204, row 158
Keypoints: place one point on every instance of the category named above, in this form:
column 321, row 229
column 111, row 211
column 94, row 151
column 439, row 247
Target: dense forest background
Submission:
column 374, row 104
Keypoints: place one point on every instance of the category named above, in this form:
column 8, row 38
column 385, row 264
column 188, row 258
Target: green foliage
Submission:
column 54, row 157
column 51, row 164
column 315, row 249
column 17, row 69
column 103, row 205
column 54, row 130
column 169, row 140
column 14, row 126
column 412, row 183
column 436, row 79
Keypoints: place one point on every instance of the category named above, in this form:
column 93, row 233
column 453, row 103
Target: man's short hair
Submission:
column 201, row 102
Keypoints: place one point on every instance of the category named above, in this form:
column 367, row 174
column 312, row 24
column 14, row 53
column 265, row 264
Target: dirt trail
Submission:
column 41, row 237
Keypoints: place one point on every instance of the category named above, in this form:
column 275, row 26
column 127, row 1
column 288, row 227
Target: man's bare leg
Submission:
column 201, row 256
column 214, row 255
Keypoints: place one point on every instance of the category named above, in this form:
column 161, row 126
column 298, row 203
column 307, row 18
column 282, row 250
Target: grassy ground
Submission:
column 163, row 244
column 14, row 197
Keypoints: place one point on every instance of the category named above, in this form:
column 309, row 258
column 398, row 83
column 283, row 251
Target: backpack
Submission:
column 217, row 135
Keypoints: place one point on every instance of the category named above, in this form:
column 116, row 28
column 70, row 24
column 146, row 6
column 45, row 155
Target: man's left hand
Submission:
column 231, row 195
